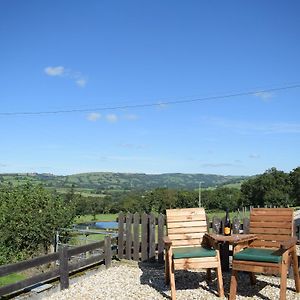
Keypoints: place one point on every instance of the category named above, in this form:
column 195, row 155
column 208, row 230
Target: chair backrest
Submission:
column 186, row 226
column 271, row 225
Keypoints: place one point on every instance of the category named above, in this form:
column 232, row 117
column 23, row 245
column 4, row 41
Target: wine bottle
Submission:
column 227, row 227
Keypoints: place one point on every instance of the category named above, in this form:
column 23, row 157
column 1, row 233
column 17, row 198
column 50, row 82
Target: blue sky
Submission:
column 94, row 55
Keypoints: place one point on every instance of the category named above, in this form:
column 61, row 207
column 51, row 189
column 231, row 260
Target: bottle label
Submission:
column 227, row 230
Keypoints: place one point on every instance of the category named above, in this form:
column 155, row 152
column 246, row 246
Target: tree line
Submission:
column 31, row 214
column 273, row 187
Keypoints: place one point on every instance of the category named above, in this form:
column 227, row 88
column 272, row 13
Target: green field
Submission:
column 11, row 278
column 99, row 217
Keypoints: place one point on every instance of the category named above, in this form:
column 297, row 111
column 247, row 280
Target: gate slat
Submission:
column 128, row 236
column 145, row 237
column 161, row 224
column 136, row 240
column 121, row 235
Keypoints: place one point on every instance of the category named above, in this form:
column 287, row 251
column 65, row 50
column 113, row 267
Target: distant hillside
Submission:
column 122, row 181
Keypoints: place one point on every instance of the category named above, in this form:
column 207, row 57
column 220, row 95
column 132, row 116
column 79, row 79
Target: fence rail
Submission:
column 65, row 266
column 140, row 237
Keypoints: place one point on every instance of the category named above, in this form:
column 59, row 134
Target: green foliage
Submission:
column 295, row 181
column 29, row 217
column 11, row 278
column 161, row 199
column 101, row 182
column 271, row 188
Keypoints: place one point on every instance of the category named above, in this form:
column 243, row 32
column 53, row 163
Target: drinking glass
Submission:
column 236, row 225
column 216, row 225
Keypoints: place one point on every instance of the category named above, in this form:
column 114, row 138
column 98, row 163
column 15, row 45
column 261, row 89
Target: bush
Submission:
column 29, row 217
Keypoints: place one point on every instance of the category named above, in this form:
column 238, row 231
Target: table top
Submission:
column 233, row 238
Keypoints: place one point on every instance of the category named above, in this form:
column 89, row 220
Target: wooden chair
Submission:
column 272, row 251
column 185, row 248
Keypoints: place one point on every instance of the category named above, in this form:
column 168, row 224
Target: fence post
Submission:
column 128, row 236
column 145, row 255
column 63, row 267
column 136, row 239
column 107, row 251
column 161, row 224
column 152, row 237
column 121, row 235
column 246, row 224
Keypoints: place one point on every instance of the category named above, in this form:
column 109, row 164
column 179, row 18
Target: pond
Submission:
column 98, row 225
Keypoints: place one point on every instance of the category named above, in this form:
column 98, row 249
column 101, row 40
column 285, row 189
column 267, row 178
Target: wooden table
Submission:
column 224, row 241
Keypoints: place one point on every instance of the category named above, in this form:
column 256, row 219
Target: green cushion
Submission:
column 257, row 254
column 190, row 252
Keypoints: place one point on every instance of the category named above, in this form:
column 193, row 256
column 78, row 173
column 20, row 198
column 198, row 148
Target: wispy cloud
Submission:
column 60, row 71
column 217, row 165
column 161, row 105
column 254, row 156
column 3, row 165
column 132, row 146
column 81, row 82
column 250, row 127
column 55, row 71
column 93, row 116
column 266, row 96
column 112, row 118
column 130, row 117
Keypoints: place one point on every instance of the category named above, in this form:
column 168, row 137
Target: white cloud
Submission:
column 81, row 82
column 254, row 156
column 264, row 95
column 161, row 105
column 250, row 127
column 61, row 71
column 93, row 116
column 130, row 117
column 133, row 146
column 112, row 118
column 217, row 165
column 55, row 71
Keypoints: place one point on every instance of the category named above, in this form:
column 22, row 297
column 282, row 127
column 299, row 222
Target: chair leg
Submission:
column 283, row 275
column 220, row 277
column 252, row 278
column 167, row 274
column 233, row 285
column 295, row 269
column 208, row 275
column 172, row 277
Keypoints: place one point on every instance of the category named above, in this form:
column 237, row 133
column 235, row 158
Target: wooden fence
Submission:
column 140, row 236
column 64, row 268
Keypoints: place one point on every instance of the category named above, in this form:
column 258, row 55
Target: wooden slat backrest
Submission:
column 186, row 226
column 271, row 225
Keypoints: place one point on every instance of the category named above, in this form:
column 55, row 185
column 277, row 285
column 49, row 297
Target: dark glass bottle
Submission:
column 227, row 225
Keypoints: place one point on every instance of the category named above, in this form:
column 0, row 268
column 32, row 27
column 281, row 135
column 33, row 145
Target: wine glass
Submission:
column 236, row 225
column 216, row 225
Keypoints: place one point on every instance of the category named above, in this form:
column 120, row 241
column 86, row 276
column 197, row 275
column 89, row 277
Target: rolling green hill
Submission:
column 101, row 181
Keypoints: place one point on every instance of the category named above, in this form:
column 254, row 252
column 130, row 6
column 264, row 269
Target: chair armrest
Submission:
column 167, row 241
column 209, row 241
column 288, row 243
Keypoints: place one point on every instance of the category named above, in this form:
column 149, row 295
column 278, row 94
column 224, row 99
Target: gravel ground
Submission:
column 129, row 280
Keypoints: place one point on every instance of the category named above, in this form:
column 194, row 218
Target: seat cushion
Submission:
column 258, row 254
column 190, row 252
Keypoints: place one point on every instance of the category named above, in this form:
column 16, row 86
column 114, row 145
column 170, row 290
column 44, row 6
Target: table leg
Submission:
column 224, row 253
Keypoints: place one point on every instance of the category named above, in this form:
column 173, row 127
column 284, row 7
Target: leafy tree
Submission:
column 29, row 217
column 295, row 181
column 270, row 188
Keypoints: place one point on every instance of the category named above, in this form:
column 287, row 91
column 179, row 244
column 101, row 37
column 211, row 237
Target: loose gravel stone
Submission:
column 146, row 281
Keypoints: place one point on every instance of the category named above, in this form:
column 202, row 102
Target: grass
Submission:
column 11, row 278
column 99, row 217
